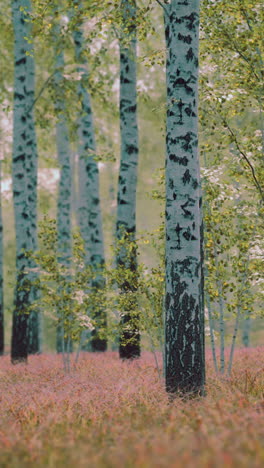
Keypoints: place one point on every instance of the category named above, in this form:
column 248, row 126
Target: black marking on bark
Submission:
column 171, row 184
column 20, row 157
column 190, row 55
column 187, row 213
column 181, row 161
column 191, row 21
column 18, row 96
column 195, row 184
column 187, row 141
column 21, row 61
column 20, row 176
column 181, row 82
column 132, row 109
column 124, row 80
column 167, row 215
column 186, row 177
column 186, row 39
column 180, row 105
column 130, row 149
column 178, row 230
column 188, row 235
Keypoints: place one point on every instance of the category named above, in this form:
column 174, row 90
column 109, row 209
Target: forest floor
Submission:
column 112, row 414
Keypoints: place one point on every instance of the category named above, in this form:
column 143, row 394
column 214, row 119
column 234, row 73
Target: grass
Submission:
column 112, row 414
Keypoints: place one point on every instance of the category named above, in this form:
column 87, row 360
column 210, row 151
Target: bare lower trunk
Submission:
column 184, row 341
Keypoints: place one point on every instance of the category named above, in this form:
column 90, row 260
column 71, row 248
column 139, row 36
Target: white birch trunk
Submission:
column 64, row 224
column 24, row 241
column 90, row 218
column 32, row 179
column 246, row 331
column 127, row 183
column 184, row 341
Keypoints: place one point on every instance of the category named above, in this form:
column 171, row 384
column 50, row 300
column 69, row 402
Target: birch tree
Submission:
column 32, row 178
column 127, row 182
column 23, row 222
column 64, row 224
column 90, row 218
column 184, row 333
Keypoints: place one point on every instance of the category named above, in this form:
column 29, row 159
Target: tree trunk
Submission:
column 32, row 177
column 23, row 222
column 64, row 224
column 127, row 183
column 90, row 218
column 246, row 331
column 184, row 330
column 2, row 340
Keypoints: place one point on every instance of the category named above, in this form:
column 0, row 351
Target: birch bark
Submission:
column 90, row 218
column 184, row 330
column 32, row 179
column 127, row 183
column 24, row 241
column 64, row 224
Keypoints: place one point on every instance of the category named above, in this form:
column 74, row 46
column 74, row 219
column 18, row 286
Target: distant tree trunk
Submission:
column 2, row 341
column 127, row 183
column 90, row 218
column 23, row 222
column 184, row 329
column 32, row 177
column 246, row 331
column 64, row 224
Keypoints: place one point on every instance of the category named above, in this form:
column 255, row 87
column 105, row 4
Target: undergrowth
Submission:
column 112, row 414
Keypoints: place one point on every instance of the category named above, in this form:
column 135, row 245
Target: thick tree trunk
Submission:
column 127, row 183
column 64, row 224
column 2, row 328
column 90, row 218
column 24, row 241
column 184, row 340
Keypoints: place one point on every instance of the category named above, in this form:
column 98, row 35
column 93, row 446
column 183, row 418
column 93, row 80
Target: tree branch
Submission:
column 40, row 92
column 163, row 6
column 243, row 154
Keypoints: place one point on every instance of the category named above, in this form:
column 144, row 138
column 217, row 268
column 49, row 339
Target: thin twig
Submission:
column 41, row 91
column 245, row 158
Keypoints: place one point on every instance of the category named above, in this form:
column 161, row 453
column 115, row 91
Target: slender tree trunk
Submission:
column 32, row 177
column 127, row 183
column 233, row 344
column 90, row 218
column 207, row 297
column 2, row 328
column 23, row 222
column 246, row 331
column 212, row 338
column 221, row 314
column 64, row 224
column 184, row 341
